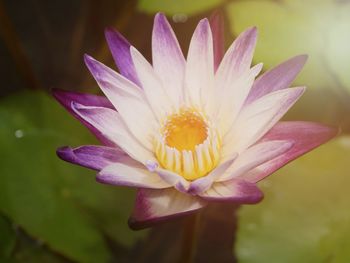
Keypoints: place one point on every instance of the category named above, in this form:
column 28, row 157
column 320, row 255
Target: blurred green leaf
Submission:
column 305, row 214
column 32, row 251
column 7, row 240
column 291, row 27
column 172, row 7
column 56, row 202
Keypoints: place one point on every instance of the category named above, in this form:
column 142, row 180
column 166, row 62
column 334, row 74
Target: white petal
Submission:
column 231, row 94
column 254, row 156
column 109, row 123
column 154, row 206
column 168, row 60
column 155, row 93
column 234, row 191
column 123, row 174
column 127, row 98
column 204, row 183
column 174, row 179
column 200, row 64
column 258, row 118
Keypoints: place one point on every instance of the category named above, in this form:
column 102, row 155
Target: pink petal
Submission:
column 216, row 21
column 65, row 98
column 305, row 135
column 168, row 60
column 156, row 206
column 277, row 78
column 132, row 174
column 91, row 156
column 236, row 191
column 120, row 49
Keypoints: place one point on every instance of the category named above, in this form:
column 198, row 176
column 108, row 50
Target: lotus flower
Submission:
column 187, row 132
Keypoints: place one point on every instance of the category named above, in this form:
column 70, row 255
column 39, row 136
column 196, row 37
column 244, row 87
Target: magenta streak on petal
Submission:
column 216, row 21
column 65, row 98
column 277, row 78
column 305, row 135
column 91, row 156
column 235, row 191
column 156, row 206
column 120, row 49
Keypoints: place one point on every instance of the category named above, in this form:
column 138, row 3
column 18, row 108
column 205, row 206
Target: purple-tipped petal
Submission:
column 168, row 60
column 216, row 21
column 120, row 49
column 254, row 156
column 234, row 78
column 305, row 135
column 256, row 119
column 65, row 98
column 200, row 63
column 277, row 78
column 156, row 206
column 130, row 174
column 109, row 123
column 91, row 156
column 155, row 92
column 235, row 191
column 238, row 57
column 124, row 95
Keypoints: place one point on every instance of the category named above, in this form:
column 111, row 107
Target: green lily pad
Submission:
column 305, row 215
column 56, row 202
column 8, row 238
column 288, row 28
column 172, row 7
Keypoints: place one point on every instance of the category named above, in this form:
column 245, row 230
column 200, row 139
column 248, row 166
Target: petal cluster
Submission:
column 189, row 131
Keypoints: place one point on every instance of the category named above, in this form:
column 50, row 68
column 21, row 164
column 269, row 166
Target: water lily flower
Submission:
column 187, row 132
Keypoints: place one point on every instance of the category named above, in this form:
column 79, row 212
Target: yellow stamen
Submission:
column 185, row 130
column 188, row 145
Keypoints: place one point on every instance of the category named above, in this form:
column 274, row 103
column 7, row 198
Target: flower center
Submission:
column 185, row 130
column 188, row 145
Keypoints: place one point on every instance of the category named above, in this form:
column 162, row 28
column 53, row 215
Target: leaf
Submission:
column 58, row 203
column 29, row 250
column 8, row 238
column 305, row 214
column 172, row 7
column 288, row 28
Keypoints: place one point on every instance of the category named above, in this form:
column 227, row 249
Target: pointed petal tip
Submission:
column 109, row 31
column 204, row 21
column 88, row 59
column 159, row 16
column 299, row 60
column 304, row 56
column 65, row 153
